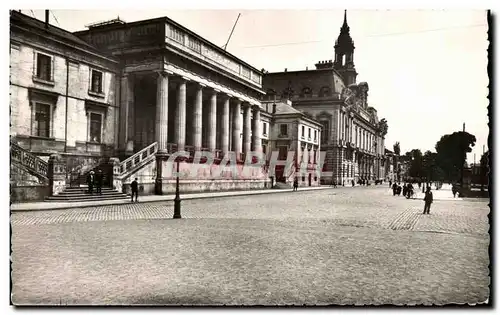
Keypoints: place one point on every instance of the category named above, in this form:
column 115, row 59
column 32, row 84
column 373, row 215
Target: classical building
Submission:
column 352, row 134
column 128, row 96
column 293, row 131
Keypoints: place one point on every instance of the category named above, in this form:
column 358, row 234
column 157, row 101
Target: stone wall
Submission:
column 31, row 193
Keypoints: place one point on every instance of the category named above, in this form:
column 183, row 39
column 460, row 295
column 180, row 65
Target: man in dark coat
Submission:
column 134, row 186
column 91, row 181
column 428, row 199
column 295, row 183
column 99, row 178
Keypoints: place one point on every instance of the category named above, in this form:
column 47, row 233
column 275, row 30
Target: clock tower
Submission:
column 344, row 54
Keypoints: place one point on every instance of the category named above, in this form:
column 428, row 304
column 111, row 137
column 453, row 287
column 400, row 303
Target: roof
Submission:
column 37, row 26
column 281, row 108
column 170, row 21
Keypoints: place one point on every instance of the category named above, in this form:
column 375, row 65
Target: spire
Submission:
column 344, row 30
column 344, row 40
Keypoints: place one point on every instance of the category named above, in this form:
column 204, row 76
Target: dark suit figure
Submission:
column 135, row 190
column 295, row 184
column 91, row 182
column 428, row 200
column 99, row 178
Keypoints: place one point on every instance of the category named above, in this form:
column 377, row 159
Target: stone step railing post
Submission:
column 57, row 174
column 115, row 172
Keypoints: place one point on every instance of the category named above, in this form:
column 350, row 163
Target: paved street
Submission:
column 335, row 246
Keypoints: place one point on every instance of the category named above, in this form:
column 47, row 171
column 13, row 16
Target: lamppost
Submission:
column 177, row 200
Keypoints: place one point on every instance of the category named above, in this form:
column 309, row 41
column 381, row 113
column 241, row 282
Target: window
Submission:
column 324, row 91
column 284, row 130
column 303, row 131
column 309, row 134
column 264, row 128
column 315, row 135
column 324, row 131
column 315, row 156
column 282, row 152
column 43, row 67
column 41, row 126
column 306, row 92
column 96, row 81
column 95, row 128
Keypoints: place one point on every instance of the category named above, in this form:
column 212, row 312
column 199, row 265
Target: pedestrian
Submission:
column 91, row 182
column 394, row 189
column 295, row 184
column 135, row 190
column 428, row 200
column 99, row 178
column 352, row 182
column 390, row 184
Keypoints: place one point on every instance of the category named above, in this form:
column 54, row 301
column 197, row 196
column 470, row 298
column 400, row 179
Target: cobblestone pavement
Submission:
column 336, row 246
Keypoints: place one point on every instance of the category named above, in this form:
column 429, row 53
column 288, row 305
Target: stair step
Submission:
column 80, row 192
column 87, row 196
column 85, row 188
column 54, row 199
column 90, row 197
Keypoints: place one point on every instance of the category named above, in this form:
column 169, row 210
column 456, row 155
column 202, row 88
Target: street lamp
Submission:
column 177, row 200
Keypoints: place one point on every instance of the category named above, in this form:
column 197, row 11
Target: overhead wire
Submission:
column 367, row 36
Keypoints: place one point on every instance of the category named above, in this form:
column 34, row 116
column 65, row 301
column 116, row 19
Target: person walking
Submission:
column 91, row 182
column 135, row 190
column 99, row 178
column 428, row 200
column 295, row 184
column 454, row 190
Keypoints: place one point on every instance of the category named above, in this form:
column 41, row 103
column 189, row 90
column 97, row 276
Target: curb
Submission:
column 168, row 198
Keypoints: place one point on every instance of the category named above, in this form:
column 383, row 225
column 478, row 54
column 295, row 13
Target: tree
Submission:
column 451, row 153
column 382, row 127
column 485, row 168
column 415, row 160
column 397, row 151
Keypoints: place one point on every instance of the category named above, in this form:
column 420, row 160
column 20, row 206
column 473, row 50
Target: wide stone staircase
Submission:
column 80, row 194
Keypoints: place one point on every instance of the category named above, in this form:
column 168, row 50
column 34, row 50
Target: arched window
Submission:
column 324, row 91
column 306, row 92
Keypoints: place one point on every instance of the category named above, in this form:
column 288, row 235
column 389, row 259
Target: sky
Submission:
column 426, row 69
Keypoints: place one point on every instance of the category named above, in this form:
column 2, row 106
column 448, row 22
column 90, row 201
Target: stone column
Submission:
column 126, row 113
column 212, row 121
column 56, row 173
column 197, row 118
column 237, row 128
column 161, row 132
column 256, row 132
column 180, row 115
column 225, row 126
column 247, row 128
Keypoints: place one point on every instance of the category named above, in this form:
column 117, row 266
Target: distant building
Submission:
column 293, row 131
column 352, row 135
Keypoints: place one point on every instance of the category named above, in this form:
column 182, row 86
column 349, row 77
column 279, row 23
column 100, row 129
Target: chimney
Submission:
column 307, row 68
column 274, row 109
column 46, row 18
column 286, row 69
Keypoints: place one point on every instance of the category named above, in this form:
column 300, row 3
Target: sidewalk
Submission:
column 34, row 206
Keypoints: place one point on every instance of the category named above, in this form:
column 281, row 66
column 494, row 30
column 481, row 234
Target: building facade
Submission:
column 62, row 91
column 352, row 135
column 294, row 132
column 135, row 93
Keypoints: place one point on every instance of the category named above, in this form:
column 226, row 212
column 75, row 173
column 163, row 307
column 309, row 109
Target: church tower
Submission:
column 344, row 54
